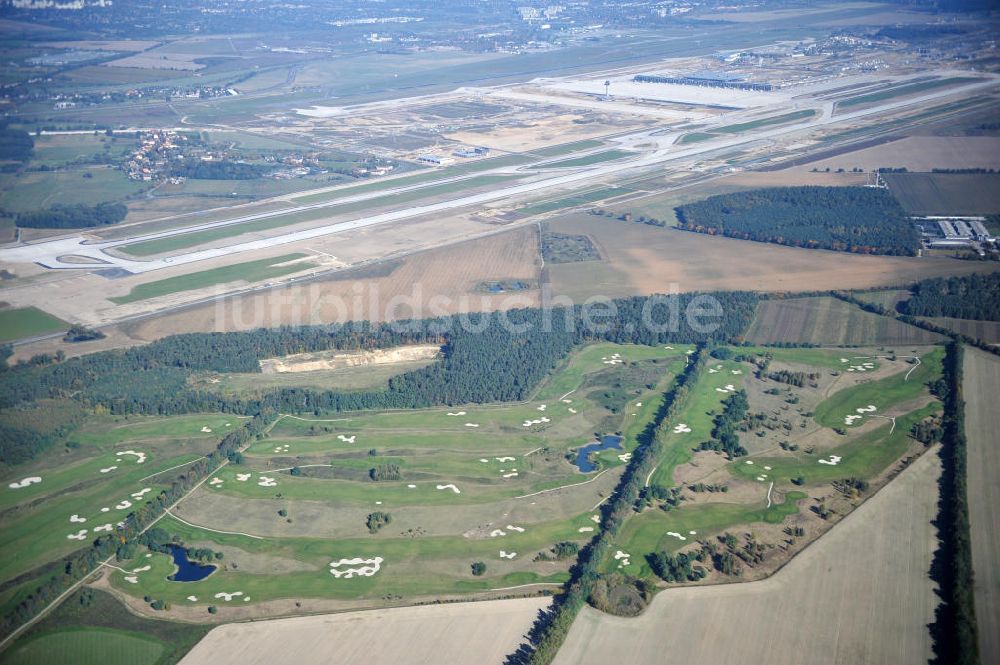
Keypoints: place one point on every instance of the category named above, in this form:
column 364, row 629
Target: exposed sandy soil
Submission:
column 543, row 132
column 309, row 362
column 859, row 594
column 434, row 635
column 981, row 385
column 640, row 259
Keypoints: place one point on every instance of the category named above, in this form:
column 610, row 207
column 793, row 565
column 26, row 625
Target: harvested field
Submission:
column 981, row 385
column 828, row 321
column 435, row 634
column 860, row 594
column 921, row 153
column 640, row 259
column 443, row 280
column 988, row 331
column 946, row 193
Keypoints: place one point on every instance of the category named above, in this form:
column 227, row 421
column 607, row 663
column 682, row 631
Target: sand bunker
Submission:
column 140, row 457
column 108, row 469
column 730, row 388
column 76, row 519
column 141, row 493
column 365, row 567
column 625, row 457
column 347, row 439
column 228, row 596
column 102, row 527
column 512, row 474
column 281, row 449
column 515, row 528
column 537, row 421
column 105, row 509
column 833, row 461
column 585, row 529
column 215, row 482
column 681, row 428
column 623, row 558
column 193, row 599
column 457, row 413
column 31, row 480
column 871, row 408
column 712, row 371
column 507, row 555
column 79, row 535
column 132, row 579
column 266, row 481
column 567, row 401
column 497, row 532
column 737, row 371
column 767, row 468
column 596, row 519
column 449, row 486
column 143, row 569
column 542, row 407
column 125, row 503
column 243, row 477
column 571, row 410
column 505, row 459
column 749, row 461
column 412, row 486
column 472, row 424
column 484, row 460
column 206, row 430
column 676, row 535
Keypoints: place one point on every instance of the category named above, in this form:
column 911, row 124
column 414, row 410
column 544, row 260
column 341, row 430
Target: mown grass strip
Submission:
column 26, row 322
column 249, row 271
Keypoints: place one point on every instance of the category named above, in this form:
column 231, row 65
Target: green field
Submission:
column 907, row 89
column 766, row 122
column 249, row 271
column 27, row 322
column 695, row 137
column 946, row 193
column 35, row 190
column 573, row 201
column 86, row 646
column 588, row 160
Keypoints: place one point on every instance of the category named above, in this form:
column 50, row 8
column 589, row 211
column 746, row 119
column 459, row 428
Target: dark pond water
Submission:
column 187, row 570
column 583, row 454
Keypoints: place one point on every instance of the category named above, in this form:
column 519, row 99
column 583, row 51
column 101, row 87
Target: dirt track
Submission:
column 980, row 387
column 457, row 633
column 860, row 594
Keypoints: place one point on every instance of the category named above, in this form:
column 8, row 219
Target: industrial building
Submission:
column 706, row 79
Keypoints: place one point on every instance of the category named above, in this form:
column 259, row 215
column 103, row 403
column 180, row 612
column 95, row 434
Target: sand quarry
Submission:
column 311, row 362
column 451, row 634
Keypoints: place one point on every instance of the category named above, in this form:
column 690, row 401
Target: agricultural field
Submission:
column 819, row 431
column 946, row 193
column 808, row 612
column 27, row 321
column 641, row 259
column 573, row 201
column 249, row 272
column 829, row 321
column 980, row 386
column 987, row 331
column 88, row 185
column 450, row 634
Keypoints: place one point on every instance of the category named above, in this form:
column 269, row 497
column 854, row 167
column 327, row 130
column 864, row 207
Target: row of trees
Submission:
column 727, row 425
column 966, row 297
column 76, row 216
column 852, row 219
column 16, row 145
column 550, row 630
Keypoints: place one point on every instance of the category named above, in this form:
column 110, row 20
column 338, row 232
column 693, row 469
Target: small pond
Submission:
column 583, row 454
column 187, row 570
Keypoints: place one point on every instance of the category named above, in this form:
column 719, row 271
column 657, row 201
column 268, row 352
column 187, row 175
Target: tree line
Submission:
column 200, row 169
column 966, row 297
column 862, row 220
column 76, row 216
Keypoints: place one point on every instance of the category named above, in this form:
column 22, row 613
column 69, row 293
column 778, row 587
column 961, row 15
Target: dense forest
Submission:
column 850, row 219
column 486, row 358
column 77, row 216
column 968, row 297
column 16, row 145
column 200, row 169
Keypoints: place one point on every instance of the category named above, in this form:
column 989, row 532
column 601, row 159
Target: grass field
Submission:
column 573, row 201
column 26, row 322
column 829, row 321
column 86, row 646
column 366, row 377
column 587, row 160
column 946, row 193
column 31, row 191
column 902, row 90
column 981, row 384
column 194, row 238
column 766, row 122
column 567, row 148
column 249, row 271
